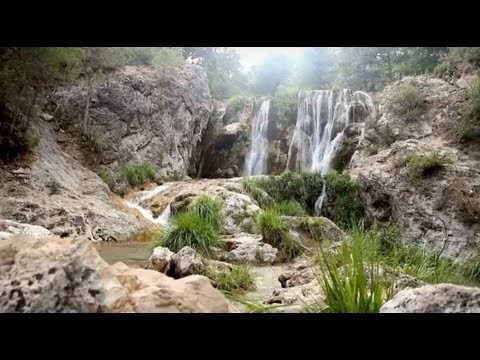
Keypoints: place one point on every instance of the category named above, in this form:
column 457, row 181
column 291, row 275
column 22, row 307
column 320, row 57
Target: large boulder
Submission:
column 253, row 253
column 65, row 275
column 140, row 114
column 441, row 298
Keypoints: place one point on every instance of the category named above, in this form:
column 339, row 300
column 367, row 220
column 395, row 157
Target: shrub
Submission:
column 457, row 55
column 423, row 165
column 407, row 101
column 289, row 208
column 234, row 105
column 210, row 210
column 343, row 204
column 236, row 280
column 189, row 229
column 302, row 187
column 139, row 174
column 285, row 101
column 275, row 233
column 469, row 127
column 252, row 188
column 272, row 227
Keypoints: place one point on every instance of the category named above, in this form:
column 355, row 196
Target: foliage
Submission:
column 139, row 174
column 449, row 61
column 223, row 70
column 289, row 208
column 423, row 165
column 285, row 101
column 469, row 127
column 303, row 187
column 107, row 177
column 275, row 233
column 471, row 266
column 342, row 204
column 238, row 279
column 234, row 105
column 407, row 101
column 252, row 187
column 353, row 287
column 267, row 76
column 272, row 227
column 190, row 229
column 210, row 210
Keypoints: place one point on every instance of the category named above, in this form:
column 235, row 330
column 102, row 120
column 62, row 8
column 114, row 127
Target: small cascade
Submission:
column 256, row 160
column 147, row 214
column 322, row 117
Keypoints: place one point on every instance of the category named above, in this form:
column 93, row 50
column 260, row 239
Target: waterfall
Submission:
column 147, row 214
column 322, row 117
column 256, row 161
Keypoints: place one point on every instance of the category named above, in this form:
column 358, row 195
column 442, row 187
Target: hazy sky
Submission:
column 250, row 56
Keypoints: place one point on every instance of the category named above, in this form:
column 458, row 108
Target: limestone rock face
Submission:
column 142, row 114
column 63, row 275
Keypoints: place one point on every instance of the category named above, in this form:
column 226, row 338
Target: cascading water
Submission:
column 322, row 117
column 256, row 161
column 147, row 214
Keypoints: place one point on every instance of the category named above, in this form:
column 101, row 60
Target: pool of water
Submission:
column 132, row 254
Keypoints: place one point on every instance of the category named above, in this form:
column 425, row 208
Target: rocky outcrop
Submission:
column 437, row 210
column 239, row 209
column 57, row 192
column 253, row 253
column 9, row 228
column 143, row 114
column 441, row 298
column 64, row 275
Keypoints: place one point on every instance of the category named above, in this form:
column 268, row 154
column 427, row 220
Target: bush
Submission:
column 234, row 105
column 456, row 55
column 275, row 233
column 423, row 165
column 342, row 204
column 285, row 101
column 139, row 174
column 303, row 187
column 236, row 280
column 189, row 229
column 252, row 188
column 289, row 208
column 210, row 210
column 469, row 127
column 408, row 101
column 272, row 227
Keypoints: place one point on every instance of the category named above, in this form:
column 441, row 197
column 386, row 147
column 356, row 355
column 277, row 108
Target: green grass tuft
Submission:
column 236, row 280
column 139, row 174
column 189, row 229
column 209, row 209
column 289, row 208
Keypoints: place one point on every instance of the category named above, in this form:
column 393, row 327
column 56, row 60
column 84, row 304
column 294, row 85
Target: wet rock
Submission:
column 161, row 259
